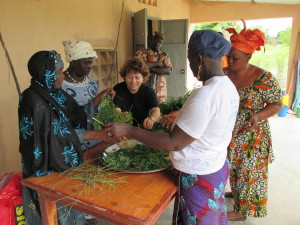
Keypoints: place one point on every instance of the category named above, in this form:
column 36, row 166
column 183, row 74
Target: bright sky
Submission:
column 273, row 25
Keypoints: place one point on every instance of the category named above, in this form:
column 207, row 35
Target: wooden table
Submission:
column 140, row 201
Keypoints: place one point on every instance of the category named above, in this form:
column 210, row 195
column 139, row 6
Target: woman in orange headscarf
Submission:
column 250, row 150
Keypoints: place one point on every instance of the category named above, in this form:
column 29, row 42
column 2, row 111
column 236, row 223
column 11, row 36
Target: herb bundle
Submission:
column 140, row 157
column 95, row 176
column 171, row 105
column 108, row 113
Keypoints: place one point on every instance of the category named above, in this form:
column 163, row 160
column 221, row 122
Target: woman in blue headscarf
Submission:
column 198, row 141
column 49, row 120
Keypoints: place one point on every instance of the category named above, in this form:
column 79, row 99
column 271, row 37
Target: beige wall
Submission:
column 226, row 11
column 28, row 26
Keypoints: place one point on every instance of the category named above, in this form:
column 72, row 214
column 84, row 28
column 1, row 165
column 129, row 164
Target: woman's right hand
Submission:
column 148, row 123
column 251, row 123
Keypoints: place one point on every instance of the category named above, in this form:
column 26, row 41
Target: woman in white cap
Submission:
column 79, row 84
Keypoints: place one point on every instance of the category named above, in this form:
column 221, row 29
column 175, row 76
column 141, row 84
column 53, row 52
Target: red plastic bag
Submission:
column 11, row 208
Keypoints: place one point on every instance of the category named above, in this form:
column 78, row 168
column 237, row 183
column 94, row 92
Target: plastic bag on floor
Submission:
column 11, row 208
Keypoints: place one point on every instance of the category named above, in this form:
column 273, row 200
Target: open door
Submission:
column 175, row 45
column 140, row 30
column 176, row 32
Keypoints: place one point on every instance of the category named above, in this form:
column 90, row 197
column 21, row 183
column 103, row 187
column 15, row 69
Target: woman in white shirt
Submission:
column 199, row 139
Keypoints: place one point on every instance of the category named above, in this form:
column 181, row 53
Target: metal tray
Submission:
column 129, row 144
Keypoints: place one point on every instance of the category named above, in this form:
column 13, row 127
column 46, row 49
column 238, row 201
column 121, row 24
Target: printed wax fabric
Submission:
column 247, row 40
column 48, row 141
column 84, row 92
column 157, row 82
column 200, row 199
column 250, row 151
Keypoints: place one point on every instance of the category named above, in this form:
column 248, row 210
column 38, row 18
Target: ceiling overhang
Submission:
column 292, row 2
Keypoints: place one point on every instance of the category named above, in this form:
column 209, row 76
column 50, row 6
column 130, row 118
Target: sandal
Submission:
column 232, row 216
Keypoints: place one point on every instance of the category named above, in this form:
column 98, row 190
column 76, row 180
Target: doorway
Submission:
column 175, row 46
column 153, row 25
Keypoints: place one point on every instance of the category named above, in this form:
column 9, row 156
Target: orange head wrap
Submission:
column 247, row 40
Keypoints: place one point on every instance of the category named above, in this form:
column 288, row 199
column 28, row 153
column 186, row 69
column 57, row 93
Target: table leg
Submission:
column 48, row 210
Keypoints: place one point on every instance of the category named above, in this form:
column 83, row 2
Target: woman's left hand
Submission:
column 102, row 94
column 102, row 135
column 148, row 123
column 117, row 129
column 252, row 122
column 107, row 91
column 111, row 92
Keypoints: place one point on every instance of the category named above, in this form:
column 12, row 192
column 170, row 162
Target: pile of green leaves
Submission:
column 108, row 113
column 140, row 157
column 173, row 104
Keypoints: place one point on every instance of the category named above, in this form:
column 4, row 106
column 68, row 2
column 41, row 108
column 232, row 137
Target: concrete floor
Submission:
column 284, row 178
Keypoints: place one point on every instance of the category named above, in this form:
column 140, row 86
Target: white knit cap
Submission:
column 75, row 50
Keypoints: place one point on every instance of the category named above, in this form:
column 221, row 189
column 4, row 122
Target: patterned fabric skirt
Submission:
column 250, row 191
column 200, row 198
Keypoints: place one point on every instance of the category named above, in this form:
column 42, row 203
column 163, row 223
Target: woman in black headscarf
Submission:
column 49, row 120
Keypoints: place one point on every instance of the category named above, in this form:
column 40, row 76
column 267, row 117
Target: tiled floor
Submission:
column 284, row 178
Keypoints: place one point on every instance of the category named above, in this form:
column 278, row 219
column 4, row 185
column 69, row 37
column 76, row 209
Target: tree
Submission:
column 284, row 36
column 275, row 57
column 219, row 27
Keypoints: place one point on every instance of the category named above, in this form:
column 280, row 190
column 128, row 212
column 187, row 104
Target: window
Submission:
column 105, row 68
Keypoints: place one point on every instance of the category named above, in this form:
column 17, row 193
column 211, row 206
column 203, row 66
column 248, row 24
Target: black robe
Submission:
column 48, row 141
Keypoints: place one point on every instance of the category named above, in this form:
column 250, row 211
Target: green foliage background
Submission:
column 276, row 54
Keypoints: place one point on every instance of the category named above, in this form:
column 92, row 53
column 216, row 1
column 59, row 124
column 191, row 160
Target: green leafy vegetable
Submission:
column 140, row 157
column 108, row 113
column 171, row 105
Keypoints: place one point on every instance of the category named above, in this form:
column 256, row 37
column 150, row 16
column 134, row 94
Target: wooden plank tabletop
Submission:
column 140, row 201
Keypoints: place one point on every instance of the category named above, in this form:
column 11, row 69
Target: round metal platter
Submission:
column 116, row 147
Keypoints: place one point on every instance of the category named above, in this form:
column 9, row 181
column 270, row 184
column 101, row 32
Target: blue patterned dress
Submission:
column 48, row 141
column 84, row 92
